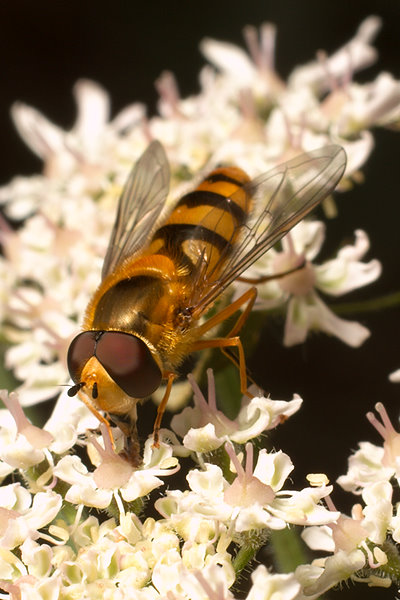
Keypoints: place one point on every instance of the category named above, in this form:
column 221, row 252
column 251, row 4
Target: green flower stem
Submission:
column 380, row 303
column 68, row 513
column 288, row 549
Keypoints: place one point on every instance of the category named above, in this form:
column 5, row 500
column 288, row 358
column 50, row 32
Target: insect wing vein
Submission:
column 281, row 198
column 140, row 205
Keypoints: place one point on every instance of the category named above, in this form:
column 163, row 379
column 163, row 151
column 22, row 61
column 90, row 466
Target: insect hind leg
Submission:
column 232, row 339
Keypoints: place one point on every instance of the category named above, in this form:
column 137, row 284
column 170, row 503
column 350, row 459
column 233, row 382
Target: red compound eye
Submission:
column 126, row 358
column 129, row 363
column 81, row 349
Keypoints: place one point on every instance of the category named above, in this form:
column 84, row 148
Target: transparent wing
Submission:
column 277, row 201
column 140, row 205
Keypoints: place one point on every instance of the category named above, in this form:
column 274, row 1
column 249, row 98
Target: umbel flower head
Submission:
column 73, row 513
column 51, row 265
column 52, row 543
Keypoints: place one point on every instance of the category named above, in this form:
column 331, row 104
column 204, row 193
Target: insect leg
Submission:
column 127, row 424
column 161, row 408
column 224, row 343
column 98, row 416
column 249, row 296
column 232, row 338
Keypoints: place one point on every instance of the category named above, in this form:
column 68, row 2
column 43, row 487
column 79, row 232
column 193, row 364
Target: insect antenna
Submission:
column 75, row 389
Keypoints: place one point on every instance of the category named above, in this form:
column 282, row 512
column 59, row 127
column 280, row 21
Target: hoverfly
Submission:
column 159, row 279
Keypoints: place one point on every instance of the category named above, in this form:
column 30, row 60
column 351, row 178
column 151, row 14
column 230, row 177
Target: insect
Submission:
column 160, row 278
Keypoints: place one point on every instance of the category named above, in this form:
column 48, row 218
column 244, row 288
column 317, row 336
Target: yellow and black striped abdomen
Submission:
column 205, row 222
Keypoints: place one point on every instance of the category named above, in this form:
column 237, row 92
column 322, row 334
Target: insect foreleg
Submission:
column 98, row 415
column 161, row 408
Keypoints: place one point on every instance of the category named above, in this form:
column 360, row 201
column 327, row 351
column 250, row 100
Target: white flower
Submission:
column 365, row 467
column 369, row 105
column 70, row 418
column 210, row 573
column 373, row 463
column 378, row 510
column 22, row 516
column 21, row 443
column 83, row 147
column 114, row 474
column 305, row 309
column 268, row 586
column 255, row 121
column 51, row 544
column 204, row 428
column 315, row 579
column 255, row 499
column 354, row 55
column 239, row 70
column 395, row 376
column 365, row 528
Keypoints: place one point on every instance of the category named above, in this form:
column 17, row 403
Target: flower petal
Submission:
column 311, row 313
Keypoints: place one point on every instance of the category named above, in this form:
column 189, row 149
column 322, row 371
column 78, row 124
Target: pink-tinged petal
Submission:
column 128, row 118
column 391, row 437
column 307, row 238
column 37, row 437
column 93, row 106
column 395, row 376
column 114, row 471
column 305, row 314
column 355, row 55
column 375, row 103
column 345, row 273
column 357, row 275
column 339, row 567
column 269, row 586
column 42, row 137
column 358, row 249
column 229, row 59
column 319, row 537
column 357, row 151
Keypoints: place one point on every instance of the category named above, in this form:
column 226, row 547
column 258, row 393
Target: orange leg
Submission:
column 161, row 407
column 249, row 296
column 227, row 343
column 232, row 339
column 98, row 416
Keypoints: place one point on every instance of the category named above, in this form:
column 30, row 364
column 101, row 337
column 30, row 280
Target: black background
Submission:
column 45, row 46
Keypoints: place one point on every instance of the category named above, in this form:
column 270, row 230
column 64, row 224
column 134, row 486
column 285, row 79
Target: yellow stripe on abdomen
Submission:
column 205, row 222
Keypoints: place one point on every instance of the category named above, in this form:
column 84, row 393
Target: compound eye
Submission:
column 129, row 363
column 81, row 349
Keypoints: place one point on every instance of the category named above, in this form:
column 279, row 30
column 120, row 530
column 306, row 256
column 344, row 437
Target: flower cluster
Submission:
column 51, row 544
column 73, row 520
column 364, row 545
column 244, row 115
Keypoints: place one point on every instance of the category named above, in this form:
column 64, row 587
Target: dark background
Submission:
column 45, row 46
